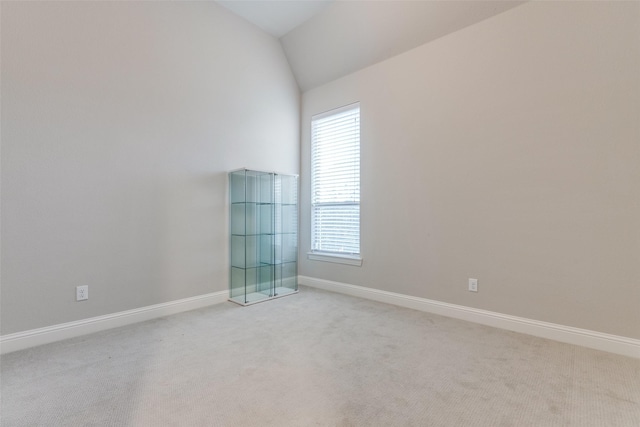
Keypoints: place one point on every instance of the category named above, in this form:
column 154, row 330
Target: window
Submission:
column 335, row 183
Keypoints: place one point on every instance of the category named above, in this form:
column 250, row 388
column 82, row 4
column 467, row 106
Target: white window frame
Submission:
column 343, row 200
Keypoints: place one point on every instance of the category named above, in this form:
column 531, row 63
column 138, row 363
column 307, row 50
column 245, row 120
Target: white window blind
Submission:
column 335, row 181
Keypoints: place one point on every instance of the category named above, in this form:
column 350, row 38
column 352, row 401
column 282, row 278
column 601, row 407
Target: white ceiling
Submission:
column 325, row 40
column 276, row 17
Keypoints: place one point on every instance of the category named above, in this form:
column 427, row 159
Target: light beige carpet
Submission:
column 316, row 359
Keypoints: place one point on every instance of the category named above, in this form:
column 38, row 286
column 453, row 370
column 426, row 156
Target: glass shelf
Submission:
column 264, row 235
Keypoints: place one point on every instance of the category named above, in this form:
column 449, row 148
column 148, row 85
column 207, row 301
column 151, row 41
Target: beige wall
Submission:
column 119, row 123
column 510, row 152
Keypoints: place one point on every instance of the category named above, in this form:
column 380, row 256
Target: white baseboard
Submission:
column 49, row 334
column 567, row 334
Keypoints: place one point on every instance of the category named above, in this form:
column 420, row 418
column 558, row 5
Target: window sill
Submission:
column 336, row 258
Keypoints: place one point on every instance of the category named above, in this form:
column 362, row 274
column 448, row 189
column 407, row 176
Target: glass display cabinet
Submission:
column 264, row 235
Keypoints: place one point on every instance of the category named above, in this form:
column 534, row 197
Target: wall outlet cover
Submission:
column 82, row 293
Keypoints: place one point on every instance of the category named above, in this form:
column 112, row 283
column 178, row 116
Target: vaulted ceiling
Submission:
column 276, row 17
column 325, row 40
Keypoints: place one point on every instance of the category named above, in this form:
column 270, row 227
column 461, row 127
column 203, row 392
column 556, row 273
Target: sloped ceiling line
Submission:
column 325, row 40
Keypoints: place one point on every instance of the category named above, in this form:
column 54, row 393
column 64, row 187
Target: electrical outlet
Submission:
column 473, row 285
column 82, row 293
